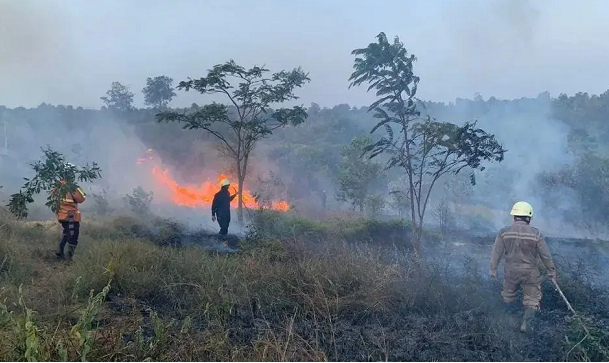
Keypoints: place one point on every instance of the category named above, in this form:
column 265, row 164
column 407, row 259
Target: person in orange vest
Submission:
column 68, row 215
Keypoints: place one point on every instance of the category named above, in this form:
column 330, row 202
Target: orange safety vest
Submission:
column 68, row 208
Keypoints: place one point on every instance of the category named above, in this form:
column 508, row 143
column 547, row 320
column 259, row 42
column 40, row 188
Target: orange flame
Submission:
column 141, row 161
column 202, row 195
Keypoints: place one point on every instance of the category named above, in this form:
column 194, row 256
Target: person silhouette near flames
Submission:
column 220, row 207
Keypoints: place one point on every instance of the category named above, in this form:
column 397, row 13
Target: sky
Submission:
column 70, row 51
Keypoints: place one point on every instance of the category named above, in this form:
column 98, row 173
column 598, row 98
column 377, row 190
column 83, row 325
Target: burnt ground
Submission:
column 487, row 332
column 453, row 312
column 454, row 317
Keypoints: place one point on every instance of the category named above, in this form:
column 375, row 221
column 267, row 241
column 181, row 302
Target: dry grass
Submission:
column 277, row 301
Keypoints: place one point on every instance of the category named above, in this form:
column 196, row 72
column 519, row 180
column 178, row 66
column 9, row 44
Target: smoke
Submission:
column 536, row 144
column 31, row 39
column 504, row 30
column 34, row 45
column 82, row 137
column 86, row 136
column 480, row 29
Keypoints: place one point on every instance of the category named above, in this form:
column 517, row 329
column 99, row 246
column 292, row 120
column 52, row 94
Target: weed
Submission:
column 82, row 331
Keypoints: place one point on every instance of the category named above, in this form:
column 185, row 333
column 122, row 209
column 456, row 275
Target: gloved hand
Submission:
column 493, row 274
column 553, row 275
column 213, row 218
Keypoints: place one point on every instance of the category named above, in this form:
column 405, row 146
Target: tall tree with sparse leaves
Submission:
column 48, row 177
column 248, row 117
column 158, row 92
column 424, row 148
column 119, row 98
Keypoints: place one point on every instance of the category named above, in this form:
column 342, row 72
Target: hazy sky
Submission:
column 69, row 51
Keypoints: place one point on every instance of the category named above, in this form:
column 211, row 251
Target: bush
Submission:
column 101, row 205
column 279, row 225
column 139, row 201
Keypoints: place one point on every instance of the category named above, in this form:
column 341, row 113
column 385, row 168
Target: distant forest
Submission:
column 307, row 157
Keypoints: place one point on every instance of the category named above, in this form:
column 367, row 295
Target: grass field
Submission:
column 296, row 290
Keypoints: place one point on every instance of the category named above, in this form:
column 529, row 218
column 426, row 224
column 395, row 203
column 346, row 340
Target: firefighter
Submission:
column 522, row 245
column 68, row 215
column 220, row 207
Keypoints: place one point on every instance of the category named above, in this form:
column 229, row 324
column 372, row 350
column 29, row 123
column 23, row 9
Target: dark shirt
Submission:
column 220, row 206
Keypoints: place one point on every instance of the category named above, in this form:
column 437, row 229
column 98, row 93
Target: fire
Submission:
column 150, row 156
column 202, row 195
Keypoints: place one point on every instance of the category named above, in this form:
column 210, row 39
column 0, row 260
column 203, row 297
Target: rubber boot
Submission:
column 529, row 314
column 71, row 249
column 59, row 253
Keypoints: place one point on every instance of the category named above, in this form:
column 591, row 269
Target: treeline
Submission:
column 309, row 155
column 314, row 157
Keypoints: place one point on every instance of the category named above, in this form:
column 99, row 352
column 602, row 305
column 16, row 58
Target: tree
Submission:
column 159, row 91
column 424, row 148
column 48, row 177
column 375, row 204
column 101, row 205
column 587, row 181
column 139, row 201
column 457, row 191
column 118, row 98
column 357, row 177
column 398, row 192
column 269, row 189
column 443, row 213
column 249, row 117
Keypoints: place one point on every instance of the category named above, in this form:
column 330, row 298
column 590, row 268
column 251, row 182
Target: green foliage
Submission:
column 424, row 148
column 48, row 177
column 399, row 201
column 249, row 116
column 272, row 225
column 586, row 344
column 586, row 115
column 139, row 201
column 118, row 98
column 358, row 177
column 443, row 214
column 588, row 179
column 101, row 205
column 584, row 180
column 374, row 205
column 24, row 327
column 268, row 189
column 32, row 341
column 159, row 91
column 82, row 330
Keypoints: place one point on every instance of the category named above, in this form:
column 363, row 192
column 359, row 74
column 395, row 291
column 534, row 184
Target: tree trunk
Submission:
column 240, row 180
column 416, row 240
column 240, row 199
column 416, row 228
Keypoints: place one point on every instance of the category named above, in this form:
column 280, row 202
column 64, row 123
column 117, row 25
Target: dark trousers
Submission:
column 69, row 236
column 224, row 222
